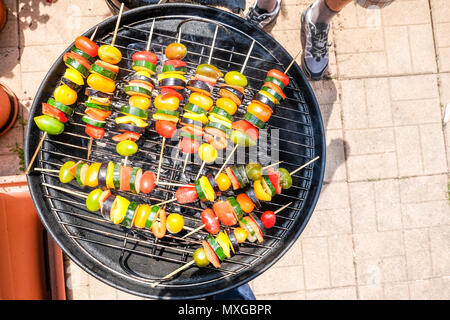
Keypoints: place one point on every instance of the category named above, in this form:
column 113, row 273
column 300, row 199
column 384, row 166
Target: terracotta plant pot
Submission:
column 3, row 14
column 9, row 107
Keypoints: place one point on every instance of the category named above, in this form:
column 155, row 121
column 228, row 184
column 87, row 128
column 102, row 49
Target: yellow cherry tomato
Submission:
column 140, row 102
column 170, row 103
column 175, row 51
column 174, row 222
column 65, row 95
column 99, row 83
column 223, row 181
column 207, row 153
column 201, row 100
column 109, row 54
column 227, row 104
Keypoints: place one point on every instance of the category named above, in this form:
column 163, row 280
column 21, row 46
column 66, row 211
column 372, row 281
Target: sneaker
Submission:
column 314, row 39
column 260, row 17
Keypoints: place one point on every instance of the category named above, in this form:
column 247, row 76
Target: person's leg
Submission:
column 243, row 292
column 263, row 12
column 314, row 35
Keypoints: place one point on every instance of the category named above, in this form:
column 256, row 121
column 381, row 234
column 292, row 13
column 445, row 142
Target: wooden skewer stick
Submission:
column 306, row 164
column 292, row 62
column 212, row 45
column 93, row 34
column 46, row 170
column 185, row 162
column 75, row 193
column 172, row 184
column 36, row 152
column 201, row 169
column 193, row 231
column 282, row 208
column 89, row 148
column 117, row 25
column 160, row 158
column 185, row 266
column 226, row 161
column 165, row 202
column 247, row 57
column 242, row 71
column 150, row 36
column 272, row 165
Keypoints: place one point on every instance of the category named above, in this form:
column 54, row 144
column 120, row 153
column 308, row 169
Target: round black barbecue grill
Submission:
column 131, row 259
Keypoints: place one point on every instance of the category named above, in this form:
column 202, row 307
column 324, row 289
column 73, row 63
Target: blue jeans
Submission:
column 243, row 292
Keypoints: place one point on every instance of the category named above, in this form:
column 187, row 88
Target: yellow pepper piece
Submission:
column 133, row 120
column 168, row 117
column 119, row 209
column 207, row 188
column 109, row 176
column 260, row 192
column 166, row 75
column 216, row 118
column 74, row 76
column 201, row 117
column 92, row 175
column 222, row 240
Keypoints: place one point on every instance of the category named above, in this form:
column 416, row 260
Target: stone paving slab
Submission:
column 381, row 228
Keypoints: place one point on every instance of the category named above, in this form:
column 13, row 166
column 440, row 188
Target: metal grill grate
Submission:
column 132, row 259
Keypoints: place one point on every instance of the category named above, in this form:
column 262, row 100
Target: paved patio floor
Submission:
column 381, row 229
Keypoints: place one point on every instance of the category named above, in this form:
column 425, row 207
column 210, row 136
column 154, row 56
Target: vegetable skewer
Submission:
column 214, row 250
column 57, row 108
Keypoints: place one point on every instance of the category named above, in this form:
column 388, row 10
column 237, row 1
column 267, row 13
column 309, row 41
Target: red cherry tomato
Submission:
column 147, row 183
column 87, row 45
column 166, row 129
column 186, row 194
column 210, row 221
column 145, row 55
column 279, row 75
column 169, row 92
column 247, row 128
column 268, row 219
column 189, row 145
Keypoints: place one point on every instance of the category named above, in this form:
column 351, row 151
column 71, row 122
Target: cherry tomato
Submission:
column 227, row 104
column 253, row 171
column 92, row 202
column 209, row 71
column 49, row 124
column 279, row 75
column 200, row 258
column 223, row 181
column 100, row 83
column 175, row 51
column 207, row 153
column 210, row 221
column 146, row 56
column 126, row 148
column 236, row 79
column 186, row 194
column 139, row 102
column 168, row 103
column 189, row 145
column 65, row 176
column 263, row 113
column 166, row 128
column 87, row 45
column 109, row 54
column 175, row 222
column 201, row 100
column 65, row 95
column 240, row 234
column 147, row 183
column 268, row 219
column 245, row 203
